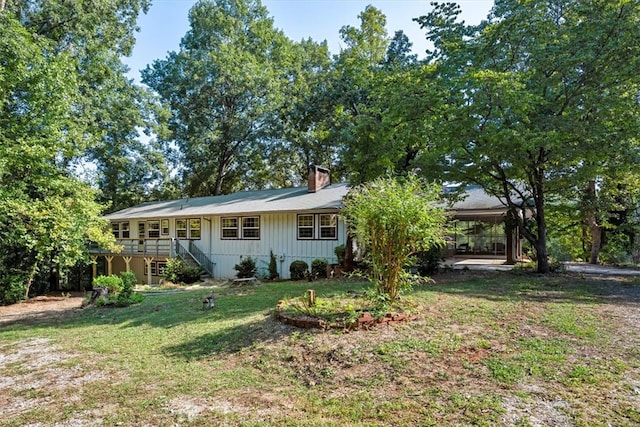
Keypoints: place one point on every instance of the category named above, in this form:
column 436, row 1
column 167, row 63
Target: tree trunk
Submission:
column 510, row 227
column 592, row 223
column 32, row 276
column 541, row 223
column 348, row 254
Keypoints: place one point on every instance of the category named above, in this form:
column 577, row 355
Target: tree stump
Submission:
column 97, row 293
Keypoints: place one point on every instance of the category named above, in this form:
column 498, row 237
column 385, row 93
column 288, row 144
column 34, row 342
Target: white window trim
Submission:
column 312, row 227
column 321, row 227
column 243, row 228
column 240, row 228
column 223, row 228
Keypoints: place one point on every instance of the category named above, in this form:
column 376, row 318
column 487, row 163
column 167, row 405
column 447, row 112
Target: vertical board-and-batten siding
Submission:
column 278, row 233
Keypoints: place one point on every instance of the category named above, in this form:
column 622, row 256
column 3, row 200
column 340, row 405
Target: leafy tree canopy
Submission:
column 46, row 216
column 536, row 99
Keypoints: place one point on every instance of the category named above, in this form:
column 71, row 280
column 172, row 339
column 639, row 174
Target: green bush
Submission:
column 392, row 219
column 127, row 296
column 340, row 252
column 112, row 283
column 319, row 268
column 128, row 283
column 101, row 302
column 173, row 270
column 177, row 271
column 298, row 270
column 190, row 274
column 429, row 261
column 246, row 268
column 12, row 289
column 273, row 266
column 616, row 250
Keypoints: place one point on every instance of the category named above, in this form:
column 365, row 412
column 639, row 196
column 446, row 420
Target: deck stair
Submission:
column 192, row 255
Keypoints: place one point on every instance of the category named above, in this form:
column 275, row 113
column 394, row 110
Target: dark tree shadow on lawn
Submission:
column 230, row 340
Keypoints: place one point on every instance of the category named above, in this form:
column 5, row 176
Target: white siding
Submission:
column 278, row 233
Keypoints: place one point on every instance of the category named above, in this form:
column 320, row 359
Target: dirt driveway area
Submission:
column 42, row 307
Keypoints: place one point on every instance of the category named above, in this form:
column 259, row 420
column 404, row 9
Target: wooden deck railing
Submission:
column 153, row 247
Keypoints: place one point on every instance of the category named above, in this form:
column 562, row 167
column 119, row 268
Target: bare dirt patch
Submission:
column 43, row 307
column 33, row 365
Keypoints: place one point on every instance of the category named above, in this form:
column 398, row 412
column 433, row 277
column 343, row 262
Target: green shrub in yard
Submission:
column 126, row 296
column 128, row 283
column 429, row 261
column 319, row 268
column 177, row 271
column 173, row 270
column 392, row 220
column 190, row 274
column 340, row 252
column 298, row 270
column 12, row 289
column 273, row 267
column 112, row 283
column 246, row 268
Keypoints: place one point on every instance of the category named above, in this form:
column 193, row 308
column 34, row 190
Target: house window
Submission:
column 181, row 228
column 329, row 226
column 241, row 228
column 124, row 230
column 120, row 230
column 251, row 227
column 141, row 229
column 229, row 228
column 305, row 227
column 164, row 227
column 154, row 229
column 194, row 228
column 162, row 266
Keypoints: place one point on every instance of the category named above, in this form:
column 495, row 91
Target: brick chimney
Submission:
column 318, row 178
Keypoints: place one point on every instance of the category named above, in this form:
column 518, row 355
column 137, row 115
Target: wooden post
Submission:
column 311, row 298
column 127, row 262
column 94, row 266
column 148, row 262
column 109, row 258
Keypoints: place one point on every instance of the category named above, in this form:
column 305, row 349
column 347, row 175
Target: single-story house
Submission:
column 301, row 223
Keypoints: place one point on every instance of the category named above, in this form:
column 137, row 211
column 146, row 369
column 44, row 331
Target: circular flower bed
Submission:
column 345, row 311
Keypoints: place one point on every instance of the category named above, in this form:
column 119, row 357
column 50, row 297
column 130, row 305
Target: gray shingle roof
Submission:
column 281, row 200
column 247, row 202
column 475, row 198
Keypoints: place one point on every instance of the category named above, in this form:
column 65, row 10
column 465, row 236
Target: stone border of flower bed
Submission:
column 365, row 321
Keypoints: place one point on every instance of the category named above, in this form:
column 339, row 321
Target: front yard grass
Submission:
column 486, row 349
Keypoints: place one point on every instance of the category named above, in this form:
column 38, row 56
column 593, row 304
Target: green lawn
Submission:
column 489, row 349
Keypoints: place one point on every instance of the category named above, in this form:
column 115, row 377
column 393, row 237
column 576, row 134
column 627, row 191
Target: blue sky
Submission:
column 162, row 28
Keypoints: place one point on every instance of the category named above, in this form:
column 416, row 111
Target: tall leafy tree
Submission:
column 303, row 120
column 537, row 98
column 369, row 84
column 356, row 119
column 130, row 169
column 109, row 107
column 46, row 216
column 56, row 73
column 223, row 88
